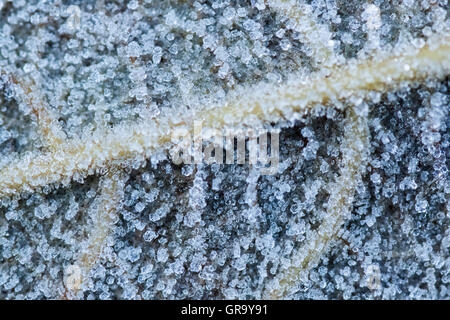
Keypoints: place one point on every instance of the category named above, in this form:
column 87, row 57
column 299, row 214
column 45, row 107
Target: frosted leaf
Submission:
column 91, row 91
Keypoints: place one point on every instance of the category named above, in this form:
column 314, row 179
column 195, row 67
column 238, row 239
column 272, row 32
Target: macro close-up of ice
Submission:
column 97, row 98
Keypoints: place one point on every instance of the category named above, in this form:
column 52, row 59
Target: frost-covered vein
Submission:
column 103, row 214
column 249, row 106
column 315, row 35
column 354, row 154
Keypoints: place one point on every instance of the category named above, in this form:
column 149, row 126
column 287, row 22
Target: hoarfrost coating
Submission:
column 93, row 205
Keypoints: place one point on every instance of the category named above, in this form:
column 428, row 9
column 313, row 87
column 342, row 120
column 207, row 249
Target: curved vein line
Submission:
column 258, row 104
column 354, row 148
